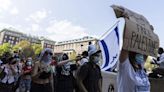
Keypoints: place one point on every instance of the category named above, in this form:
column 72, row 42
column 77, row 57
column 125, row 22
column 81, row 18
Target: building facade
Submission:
column 46, row 43
column 74, row 46
column 13, row 37
column 8, row 36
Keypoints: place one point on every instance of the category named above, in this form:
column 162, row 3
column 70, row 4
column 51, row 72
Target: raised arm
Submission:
column 35, row 70
column 123, row 56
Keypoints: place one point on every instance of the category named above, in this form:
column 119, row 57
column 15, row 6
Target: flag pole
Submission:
column 109, row 29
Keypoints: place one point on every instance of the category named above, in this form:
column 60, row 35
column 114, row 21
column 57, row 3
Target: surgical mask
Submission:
column 17, row 59
column 29, row 63
column 139, row 58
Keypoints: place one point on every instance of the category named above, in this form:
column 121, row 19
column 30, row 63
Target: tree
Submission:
column 6, row 47
column 25, row 49
column 22, row 44
column 16, row 48
column 148, row 65
column 37, row 49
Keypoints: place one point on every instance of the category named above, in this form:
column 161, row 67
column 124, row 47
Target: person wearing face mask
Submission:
column 42, row 75
column 25, row 83
column 64, row 76
column 89, row 76
column 10, row 71
column 131, row 74
column 160, row 62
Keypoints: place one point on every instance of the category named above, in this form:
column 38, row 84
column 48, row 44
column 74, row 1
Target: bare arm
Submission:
column 81, row 85
column 100, row 85
column 35, row 73
column 123, row 56
column 64, row 62
column 14, row 72
column 81, row 76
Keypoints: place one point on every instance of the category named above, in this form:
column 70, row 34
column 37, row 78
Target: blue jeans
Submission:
column 26, row 84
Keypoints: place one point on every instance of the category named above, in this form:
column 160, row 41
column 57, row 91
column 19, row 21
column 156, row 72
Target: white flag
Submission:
column 110, row 48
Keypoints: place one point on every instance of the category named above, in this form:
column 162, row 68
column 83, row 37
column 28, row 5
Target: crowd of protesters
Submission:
column 50, row 73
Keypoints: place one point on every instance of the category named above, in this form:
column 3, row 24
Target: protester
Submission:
column 131, row 74
column 65, row 78
column 42, row 77
column 1, row 62
column 18, row 67
column 53, row 66
column 78, row 59
column 1, row 70
column 89, row 76
column 84, row 58
column 10, row 72
column 160, row 62
column 25, row 84
column 91, row 46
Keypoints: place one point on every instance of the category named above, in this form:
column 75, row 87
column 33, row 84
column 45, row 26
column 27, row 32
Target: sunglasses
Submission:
column 50, row 53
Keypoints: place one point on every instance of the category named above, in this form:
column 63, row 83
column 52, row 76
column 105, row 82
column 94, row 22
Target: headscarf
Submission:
column 46, row 58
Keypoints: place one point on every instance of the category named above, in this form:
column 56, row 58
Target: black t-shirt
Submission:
column 90, row 73
column 64, row 83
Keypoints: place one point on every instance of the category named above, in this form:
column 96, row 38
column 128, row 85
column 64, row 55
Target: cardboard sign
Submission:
column 139, row 39
column 138, row 33
column 135, row 17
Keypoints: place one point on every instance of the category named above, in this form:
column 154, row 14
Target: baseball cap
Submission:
column 94, row 52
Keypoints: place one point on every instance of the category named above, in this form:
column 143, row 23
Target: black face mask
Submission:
column 65, row 57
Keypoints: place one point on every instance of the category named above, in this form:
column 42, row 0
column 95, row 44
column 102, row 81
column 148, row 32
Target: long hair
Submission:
column 133, row 62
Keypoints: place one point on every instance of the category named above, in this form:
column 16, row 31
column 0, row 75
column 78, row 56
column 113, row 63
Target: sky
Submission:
column 61, row 20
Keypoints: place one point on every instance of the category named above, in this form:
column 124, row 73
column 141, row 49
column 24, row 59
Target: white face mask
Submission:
column 139, row 59
column 29, row 63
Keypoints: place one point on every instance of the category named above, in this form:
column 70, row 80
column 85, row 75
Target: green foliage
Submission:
column 16, row 48
column 28, row 52
column 6, row 47
column 148, row 65
column 37, row 48
column 23, row 44
column 25, row 48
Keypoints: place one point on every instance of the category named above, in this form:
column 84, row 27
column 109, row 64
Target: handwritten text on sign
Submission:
column 140, row 39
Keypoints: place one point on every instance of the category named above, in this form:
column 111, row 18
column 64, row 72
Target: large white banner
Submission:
column 110, row 46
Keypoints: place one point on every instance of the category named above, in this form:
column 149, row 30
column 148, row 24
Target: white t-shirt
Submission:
column 83, row 60
column 10, row 78
column 161, row 61
column 91, row 47
column 131, row 81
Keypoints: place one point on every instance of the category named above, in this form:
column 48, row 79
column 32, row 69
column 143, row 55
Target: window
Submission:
column 13, row 38
column 5, row 36
column 10, row 37
column 17, row 39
